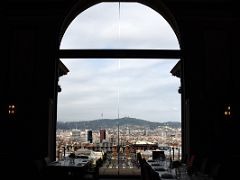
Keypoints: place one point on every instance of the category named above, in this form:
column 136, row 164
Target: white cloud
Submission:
column 138, row 27
column 146, row 88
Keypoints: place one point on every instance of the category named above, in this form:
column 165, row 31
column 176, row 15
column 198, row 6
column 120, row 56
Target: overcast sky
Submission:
column 142, row 89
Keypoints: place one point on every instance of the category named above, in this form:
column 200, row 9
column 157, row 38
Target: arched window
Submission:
column 120, row 56
column 124, row 26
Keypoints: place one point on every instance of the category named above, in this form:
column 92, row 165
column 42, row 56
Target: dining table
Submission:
column 68, row 167
column 163, row 169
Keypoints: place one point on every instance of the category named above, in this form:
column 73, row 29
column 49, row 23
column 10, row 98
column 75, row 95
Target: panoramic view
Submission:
column 112, row 109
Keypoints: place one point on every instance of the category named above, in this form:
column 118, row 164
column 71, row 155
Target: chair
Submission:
column 40, row 168
column 204, row 166
column 215, row 171
column 47, row 160
column 146, row 171
column 190, row 165
column 160, row 155
column 176, row 165
column 92, row 170
column 155, row 176
column 139, row 158
column 144, row 168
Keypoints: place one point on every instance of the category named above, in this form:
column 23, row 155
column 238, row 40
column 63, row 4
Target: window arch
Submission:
column 135, row 50
column 82, row 32
column 115, row 26
column 82, row 5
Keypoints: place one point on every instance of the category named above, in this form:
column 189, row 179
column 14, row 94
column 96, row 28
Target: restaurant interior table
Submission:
column 68, row 168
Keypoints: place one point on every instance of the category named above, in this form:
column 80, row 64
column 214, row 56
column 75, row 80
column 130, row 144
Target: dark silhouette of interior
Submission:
column 208, row 32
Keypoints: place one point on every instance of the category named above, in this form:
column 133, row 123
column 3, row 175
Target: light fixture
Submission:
column 11, row 109
column 227, row 110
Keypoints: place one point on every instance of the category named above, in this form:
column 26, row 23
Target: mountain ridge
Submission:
column 111, row 123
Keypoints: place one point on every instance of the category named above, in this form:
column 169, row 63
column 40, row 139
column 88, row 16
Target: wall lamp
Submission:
column 12, row 109
column 227, row 110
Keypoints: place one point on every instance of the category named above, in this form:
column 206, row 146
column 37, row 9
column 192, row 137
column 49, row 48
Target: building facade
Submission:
column 102, row 135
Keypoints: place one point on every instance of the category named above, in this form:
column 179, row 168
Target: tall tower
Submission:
column 102, row 135
column 127, row 150
column 128, row 131
column 89, row 136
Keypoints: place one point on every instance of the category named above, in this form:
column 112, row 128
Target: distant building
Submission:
column 89, row 136
column 83, row 136
column 76, row 134
column 112, row 139
column 128, row 131
column 127, row 151
column 143, row 146
column 145, row 132
column 114, row 150
column 102, row 135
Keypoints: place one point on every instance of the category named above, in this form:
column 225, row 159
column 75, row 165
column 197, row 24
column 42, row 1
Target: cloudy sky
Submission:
column 138, row 88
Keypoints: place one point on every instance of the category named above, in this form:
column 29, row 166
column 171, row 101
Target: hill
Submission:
column 113, row 123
